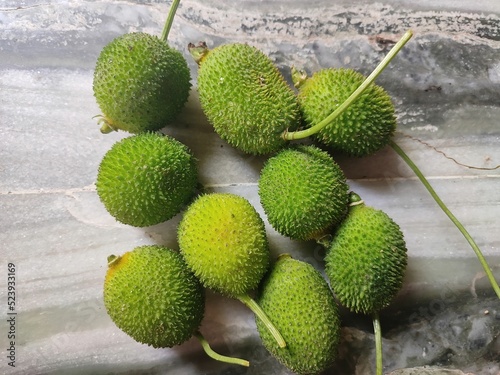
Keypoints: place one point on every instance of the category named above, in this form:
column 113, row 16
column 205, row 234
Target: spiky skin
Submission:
column 151, row 295
column 146, row 179
column 246, row 98
column 140, row 83
column 303, row 192
column 300, row 304
column 367, row 260
column 224, row 242
column 364, row 127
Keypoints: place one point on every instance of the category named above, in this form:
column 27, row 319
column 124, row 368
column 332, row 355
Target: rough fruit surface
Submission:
column 151, row 295
column 146, row 179
column 246, row 98
column 140, row 83
column 367, row 260
column 300, row 304
column 303, row 192
column 364, row 127
column 224, row 242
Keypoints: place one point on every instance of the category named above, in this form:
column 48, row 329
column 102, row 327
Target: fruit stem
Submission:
column 452, row 217
column 324, row 241
column 170, row 20
column 257, row 310
column 218, row 357
column 112, row 259
column 355, row 199
column 378, row 343
column 198, row 51
column 368, row 81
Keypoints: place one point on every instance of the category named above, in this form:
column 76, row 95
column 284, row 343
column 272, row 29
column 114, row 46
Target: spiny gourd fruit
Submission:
column 245, row 97
column 140, row 83
column 298, row 300
column 146, row 179
column 224, row 242
column 363, row 128
column 367, row 259
column 303, row 192
column 152, row 296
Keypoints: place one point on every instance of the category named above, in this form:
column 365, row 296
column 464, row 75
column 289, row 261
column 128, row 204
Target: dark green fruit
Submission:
column 151, row 295
column 299, row 302
column 303, row 192
column 245, row 97
column 364, row 127
column 367, row 260
column 140, row 83
column 224, row 242
column 146, row 179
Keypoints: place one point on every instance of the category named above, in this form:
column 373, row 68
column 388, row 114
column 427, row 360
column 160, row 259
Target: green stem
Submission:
column 452, row 217
column 257, row 310
column 324, row 241
column 368, row 81
column 217, row 356
column 378, row 343
column 170, row 20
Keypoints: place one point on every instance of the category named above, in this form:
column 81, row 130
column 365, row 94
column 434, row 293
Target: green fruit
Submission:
column 303, row 192
column 151, row 295
column 298, row 300
column 146, row 179
column 140, row 83
column 224, row 242
column 367, row 260
column 245, row 97
column 364, row 127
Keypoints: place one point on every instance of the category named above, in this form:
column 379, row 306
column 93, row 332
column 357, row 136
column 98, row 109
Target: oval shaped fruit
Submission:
column 146, row 179
column 151, row 295
column 246, row 98
column 299, row 302
column 140, row 83
column 224, row 242
column 367, row 260
column 303, row 192
column 364, row 127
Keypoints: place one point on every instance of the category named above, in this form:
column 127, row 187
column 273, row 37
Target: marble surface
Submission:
column 446, row 87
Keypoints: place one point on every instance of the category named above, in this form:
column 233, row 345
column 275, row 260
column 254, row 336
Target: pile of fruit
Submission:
column 155, row 294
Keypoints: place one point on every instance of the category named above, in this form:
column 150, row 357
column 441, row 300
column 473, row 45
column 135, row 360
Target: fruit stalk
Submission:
column 367, row 82
column 170, row 20
column 452, row 217
column 256, row 309
column 378, row 343
column 218, row 357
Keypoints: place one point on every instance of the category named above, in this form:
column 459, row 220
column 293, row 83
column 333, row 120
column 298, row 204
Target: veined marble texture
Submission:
column 446, row 88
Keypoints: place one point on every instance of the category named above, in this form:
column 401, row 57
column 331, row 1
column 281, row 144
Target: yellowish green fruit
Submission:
column 298, row 300
column 151, row 295
column 303, row 192
column 367, row 260
column 224, row 242
column 146, row 179
column 364, row 127
column 245, row 97
column 140, row 83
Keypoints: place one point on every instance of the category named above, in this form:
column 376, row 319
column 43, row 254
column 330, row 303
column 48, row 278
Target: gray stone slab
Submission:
column 446, row 88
